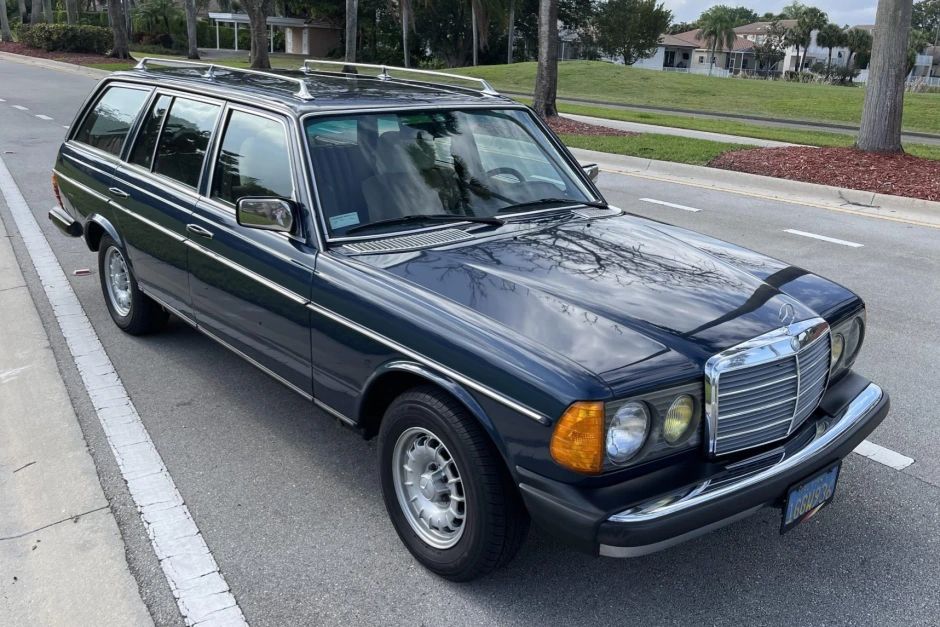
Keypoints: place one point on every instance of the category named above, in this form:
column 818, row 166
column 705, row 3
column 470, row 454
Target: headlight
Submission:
column 679, row 418
column 847, row 337
column 627, row 432
column 838, row 347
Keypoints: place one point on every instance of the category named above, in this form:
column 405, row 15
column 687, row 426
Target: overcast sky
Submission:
column 849, row 12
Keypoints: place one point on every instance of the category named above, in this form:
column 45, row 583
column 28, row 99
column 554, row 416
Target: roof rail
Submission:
column 485, row 88
column 302, row 92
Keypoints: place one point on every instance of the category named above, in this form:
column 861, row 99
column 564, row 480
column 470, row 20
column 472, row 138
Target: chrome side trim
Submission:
column 856, row 411
column 645, row 549
column 225, row 344
column 335, row 413
column 171, row 234
column 81, row 186
column 254, row 276
column 456, row 376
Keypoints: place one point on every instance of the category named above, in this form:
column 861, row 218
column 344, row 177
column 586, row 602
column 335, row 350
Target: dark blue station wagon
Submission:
column 427, row 263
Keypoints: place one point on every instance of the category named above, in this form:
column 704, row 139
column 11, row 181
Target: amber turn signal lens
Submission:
column 578, row 440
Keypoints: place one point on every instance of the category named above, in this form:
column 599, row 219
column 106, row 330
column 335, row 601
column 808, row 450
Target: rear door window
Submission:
column 254, row 159
column 182, row 145
column 107, row 124
column 142, row 154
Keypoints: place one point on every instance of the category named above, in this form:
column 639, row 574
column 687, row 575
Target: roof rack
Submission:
column 302, row 92
column 485, row 88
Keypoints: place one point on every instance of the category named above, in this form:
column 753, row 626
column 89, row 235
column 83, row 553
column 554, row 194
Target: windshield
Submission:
column 374, row 169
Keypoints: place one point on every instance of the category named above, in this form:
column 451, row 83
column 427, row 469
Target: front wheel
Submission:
column 132, row 310
column 447, row 492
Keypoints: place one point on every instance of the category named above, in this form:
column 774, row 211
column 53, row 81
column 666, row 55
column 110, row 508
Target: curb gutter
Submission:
column 54, row 65
column 869, row 204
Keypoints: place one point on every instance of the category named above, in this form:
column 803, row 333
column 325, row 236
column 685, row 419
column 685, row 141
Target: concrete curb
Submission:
column 54, row 65
column 883, row 206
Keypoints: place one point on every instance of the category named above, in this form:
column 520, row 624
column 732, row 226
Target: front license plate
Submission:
column 806, row 498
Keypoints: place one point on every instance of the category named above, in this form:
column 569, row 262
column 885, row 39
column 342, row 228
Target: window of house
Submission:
column 107, row 124
column 183, row 142
column 670, row 58
column 142, row 154
column 701, row 58
column 254, row 159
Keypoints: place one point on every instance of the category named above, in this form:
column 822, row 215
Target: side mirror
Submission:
column 591, row 169
column 267, row 214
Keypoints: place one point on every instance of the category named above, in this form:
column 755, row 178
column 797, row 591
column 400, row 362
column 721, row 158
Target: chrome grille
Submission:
column 762, row 390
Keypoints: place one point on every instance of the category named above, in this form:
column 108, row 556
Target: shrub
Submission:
column 67, row 37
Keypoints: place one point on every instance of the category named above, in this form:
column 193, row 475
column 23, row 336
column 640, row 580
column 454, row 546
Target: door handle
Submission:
column 117, row 191
column 195, row 229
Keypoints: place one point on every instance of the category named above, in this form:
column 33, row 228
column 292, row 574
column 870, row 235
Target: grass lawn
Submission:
column 773, row 99
column 652, row 146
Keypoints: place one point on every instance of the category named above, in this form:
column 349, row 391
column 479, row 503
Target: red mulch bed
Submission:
column 80, row 58
column 898, row 175
column 565, row 126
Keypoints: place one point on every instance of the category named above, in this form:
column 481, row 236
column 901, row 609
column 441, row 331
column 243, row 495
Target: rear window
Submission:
column 107, row 124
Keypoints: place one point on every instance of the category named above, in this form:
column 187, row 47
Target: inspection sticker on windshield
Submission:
column 804, row 500
column 344, row 219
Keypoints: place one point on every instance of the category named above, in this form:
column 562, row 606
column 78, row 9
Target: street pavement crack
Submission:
column 73, row 517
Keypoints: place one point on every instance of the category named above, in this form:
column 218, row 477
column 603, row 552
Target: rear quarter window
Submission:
column 107, row 124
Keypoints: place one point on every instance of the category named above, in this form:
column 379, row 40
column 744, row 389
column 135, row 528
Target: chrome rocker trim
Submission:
column 854, row 413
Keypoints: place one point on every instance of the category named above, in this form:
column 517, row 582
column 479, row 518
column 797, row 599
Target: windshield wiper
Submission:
column 600, row 204
column 429, row 217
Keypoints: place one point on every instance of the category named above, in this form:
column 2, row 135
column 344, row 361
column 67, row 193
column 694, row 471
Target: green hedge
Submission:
column 67, row 37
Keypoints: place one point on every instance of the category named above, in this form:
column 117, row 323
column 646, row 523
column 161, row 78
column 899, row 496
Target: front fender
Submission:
column 419, row 371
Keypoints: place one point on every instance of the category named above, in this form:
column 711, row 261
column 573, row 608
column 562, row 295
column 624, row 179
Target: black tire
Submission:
column 495, row 523
column 144, row 315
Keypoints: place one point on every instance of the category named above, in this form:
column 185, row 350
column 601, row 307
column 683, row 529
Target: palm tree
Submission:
column 830, row 36
column 404, row 7
column 511, row 32
column 352, row 28
column 810, row 19
column 858, row 41
column 191, row 40
column 5, row 34
column 546, row 76
column 716, row 28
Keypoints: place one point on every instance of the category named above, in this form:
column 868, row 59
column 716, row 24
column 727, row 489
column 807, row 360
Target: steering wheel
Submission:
column 516, row 174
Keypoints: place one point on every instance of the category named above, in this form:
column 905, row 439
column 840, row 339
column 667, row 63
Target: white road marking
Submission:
column 2, row 100
column 883, row 455
column 670, row 204
column 824, row 238
column 21, row 107
column 201, row 592
column 43, row 117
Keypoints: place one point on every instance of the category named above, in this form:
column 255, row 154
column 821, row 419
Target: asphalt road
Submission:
column 289, row 502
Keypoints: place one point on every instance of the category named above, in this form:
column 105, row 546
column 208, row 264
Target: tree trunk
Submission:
column 474, row 29
column 829, row 64
column 884, row 94
column 405, row 20
column 116, row 16
column 71, row 11
column 47, row 11
column 546, row 77
column 711, row 58
column 257, row 11
column 5, row 34
column 24, row 14
column 191, row 37
column 352, row 29
column 35, row 12
column 512, row 30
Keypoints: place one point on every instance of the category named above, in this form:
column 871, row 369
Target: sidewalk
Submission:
column 61, row 555
column 637, row 127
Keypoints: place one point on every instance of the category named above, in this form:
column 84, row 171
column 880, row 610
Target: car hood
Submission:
column 606, row 293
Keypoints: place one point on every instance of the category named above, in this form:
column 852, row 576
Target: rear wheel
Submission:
column 132, row 310
column 446, row 489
